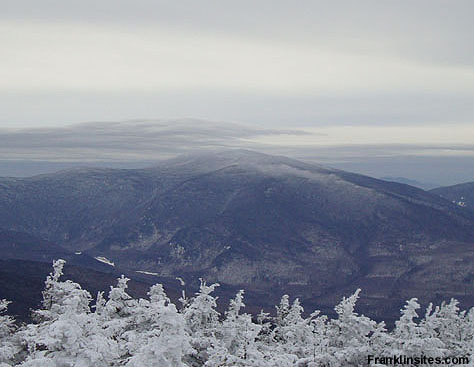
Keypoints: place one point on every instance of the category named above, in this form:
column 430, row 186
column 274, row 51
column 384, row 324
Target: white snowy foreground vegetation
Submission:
column 121, row 331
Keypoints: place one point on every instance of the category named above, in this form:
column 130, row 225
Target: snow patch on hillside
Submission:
column 146, row 272
column 104, row 260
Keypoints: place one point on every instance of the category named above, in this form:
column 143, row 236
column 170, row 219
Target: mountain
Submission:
column 269, row 224
column 461, row 194
column 407, row 181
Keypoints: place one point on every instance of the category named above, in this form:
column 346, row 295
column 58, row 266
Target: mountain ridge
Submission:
column 461, row 194
column 266, row 223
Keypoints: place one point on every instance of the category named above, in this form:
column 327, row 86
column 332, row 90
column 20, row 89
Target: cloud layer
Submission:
column 430, row 153
column 136, row 140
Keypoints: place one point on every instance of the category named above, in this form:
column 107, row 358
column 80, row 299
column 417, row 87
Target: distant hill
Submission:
column 461, row 194
column 22, row 246
column 269, row 224
column 407, row 181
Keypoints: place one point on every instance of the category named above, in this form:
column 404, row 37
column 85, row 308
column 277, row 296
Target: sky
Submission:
column 378, row 78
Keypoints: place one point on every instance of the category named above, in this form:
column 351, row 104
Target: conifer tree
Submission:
column 239, row 333
column 160, row 338
column 411, row 337
column 66, row 333
column 8, row 345
column 125, row 332
column 202, row 321
column 116, row 316
column 349, row 335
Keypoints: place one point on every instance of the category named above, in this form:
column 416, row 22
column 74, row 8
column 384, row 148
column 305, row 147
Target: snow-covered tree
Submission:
column 202, row 321
column 126, row 332
column 116, row 316
column 294, row 332
column 449, row 325
column 160, row 338
column 349, row 333
column 67, row 333
column 8, row 345
column 237, row 337
column 411, row 337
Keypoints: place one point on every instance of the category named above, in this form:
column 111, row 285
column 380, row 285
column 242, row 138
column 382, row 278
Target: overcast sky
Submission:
column 272, row 63
column 396, row 72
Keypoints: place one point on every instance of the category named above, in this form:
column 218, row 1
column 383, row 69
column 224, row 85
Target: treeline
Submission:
column 119, row 330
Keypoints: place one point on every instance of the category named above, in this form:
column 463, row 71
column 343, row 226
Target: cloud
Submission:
column 445, row 155
column 424, row 136
column 271, row 62
column 156, row 139
column 429, row 30
column 43, row 56
column 127, row 140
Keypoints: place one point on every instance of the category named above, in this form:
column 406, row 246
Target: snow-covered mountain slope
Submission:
column 269, row 224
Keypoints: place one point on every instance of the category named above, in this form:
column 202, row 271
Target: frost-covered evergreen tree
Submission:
column 448, row 325
column 282, row 310
column 160, row 338
column 349, row 333
column 8, row 345
column 295, row 333
column 237, row 338
column 202, row 322
column 299, row 340
column 125, row 332
column 468, row 334
column 451, row 326
column 411, row 337
column 67, row 333
column 116, row 316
